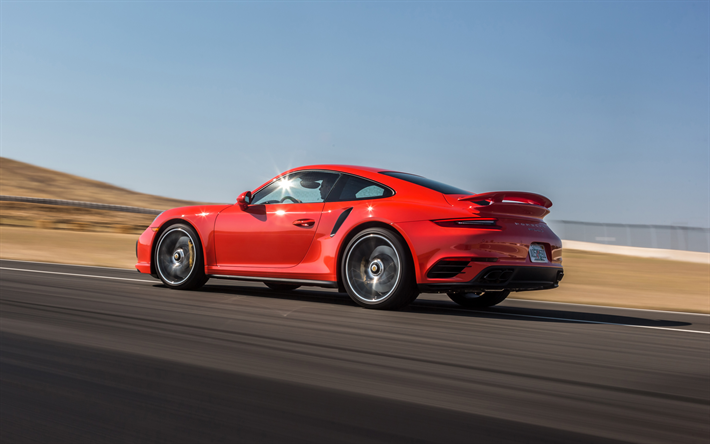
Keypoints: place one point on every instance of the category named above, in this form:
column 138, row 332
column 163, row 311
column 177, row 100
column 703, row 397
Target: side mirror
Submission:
column 244, row 199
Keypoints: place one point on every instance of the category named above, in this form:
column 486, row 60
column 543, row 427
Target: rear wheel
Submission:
column 281, row 287
column 178, row 258
column 376, row 270
column 479, row 300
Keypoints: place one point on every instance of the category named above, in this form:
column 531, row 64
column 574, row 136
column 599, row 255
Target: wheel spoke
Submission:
column 373, row 268
column 176, row 256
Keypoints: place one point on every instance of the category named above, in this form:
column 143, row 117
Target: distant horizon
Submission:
column 603, row 107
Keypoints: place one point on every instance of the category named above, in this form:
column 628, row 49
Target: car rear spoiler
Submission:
column 508, row 196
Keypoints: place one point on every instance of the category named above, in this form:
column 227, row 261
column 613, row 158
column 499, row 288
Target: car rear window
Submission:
column 357, row 188
column 426, row 183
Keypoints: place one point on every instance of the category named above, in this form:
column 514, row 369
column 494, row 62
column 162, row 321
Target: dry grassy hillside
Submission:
column 23, row 179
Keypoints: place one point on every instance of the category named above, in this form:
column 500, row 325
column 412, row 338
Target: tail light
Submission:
column 478, row 222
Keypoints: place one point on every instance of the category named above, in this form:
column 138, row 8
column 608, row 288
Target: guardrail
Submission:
column 667, row 237
column 81, row 204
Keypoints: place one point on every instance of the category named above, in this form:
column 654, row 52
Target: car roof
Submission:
column 353, row 169
column 362, row 171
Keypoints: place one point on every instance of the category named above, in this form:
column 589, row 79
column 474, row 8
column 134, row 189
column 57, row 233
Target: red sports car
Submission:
column 381, row 236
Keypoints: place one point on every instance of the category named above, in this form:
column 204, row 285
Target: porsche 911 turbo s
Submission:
column 381, row 236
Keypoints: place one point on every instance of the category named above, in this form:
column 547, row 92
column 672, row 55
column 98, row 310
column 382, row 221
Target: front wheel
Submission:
column 178, row 258
column 376, row 270
column 479, row 300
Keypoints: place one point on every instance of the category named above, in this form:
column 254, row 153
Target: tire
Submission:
column 179, row 262
column 376, row 270
column 281, row 287
column 475, row 300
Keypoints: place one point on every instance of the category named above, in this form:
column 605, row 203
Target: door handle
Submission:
column 306, row 223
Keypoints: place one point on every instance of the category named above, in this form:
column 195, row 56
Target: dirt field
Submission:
column 68, row 247
column 590, row 278
column 29, row 215
column 626, row 281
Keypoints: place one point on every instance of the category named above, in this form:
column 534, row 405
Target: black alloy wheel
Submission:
column 377, row 271
column 178, row 258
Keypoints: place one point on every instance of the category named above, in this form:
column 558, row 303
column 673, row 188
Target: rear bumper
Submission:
column 501, row 277
column 508, row 246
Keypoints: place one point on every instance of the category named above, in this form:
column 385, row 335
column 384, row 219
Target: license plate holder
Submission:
column 537, row 253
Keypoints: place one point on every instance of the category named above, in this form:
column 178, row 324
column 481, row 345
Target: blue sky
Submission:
column 604, row 107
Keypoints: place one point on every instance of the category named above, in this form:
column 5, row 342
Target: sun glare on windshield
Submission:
column 285, row 184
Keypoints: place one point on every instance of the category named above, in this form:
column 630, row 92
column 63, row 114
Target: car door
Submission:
column 277, row 228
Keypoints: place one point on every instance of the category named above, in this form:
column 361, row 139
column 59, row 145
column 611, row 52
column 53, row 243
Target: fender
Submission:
column 376, row 221
column 200, row 217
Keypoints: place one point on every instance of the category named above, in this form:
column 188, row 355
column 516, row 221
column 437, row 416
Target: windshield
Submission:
column 426, row 183
column 298, row 187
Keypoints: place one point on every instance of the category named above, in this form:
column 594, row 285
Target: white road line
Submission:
column 79, row 275
column 582, row 321
column 608, row 306
column 509, row 299
column 100, row 267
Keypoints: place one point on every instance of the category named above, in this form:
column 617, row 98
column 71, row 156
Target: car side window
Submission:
column 357, row 188
column 298, row 187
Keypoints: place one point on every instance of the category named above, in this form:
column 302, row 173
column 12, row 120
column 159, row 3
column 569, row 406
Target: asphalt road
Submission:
column 104, row 355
